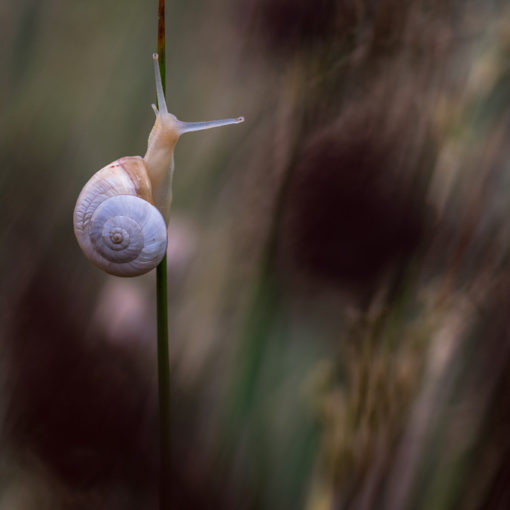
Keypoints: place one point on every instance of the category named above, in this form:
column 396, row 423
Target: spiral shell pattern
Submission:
column 116, row 226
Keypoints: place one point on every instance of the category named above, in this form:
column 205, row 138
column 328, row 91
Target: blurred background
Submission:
column 338, row 264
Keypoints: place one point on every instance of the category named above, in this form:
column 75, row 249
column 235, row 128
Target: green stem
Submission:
column 163, row 385
column 162, row 317
column 161, row 42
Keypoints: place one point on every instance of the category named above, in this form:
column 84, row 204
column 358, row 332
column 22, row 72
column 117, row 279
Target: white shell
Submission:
column 117, row 230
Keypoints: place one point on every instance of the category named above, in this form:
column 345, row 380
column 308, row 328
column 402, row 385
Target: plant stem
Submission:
column 162, row 318
column 163, row 385
column 162, row 42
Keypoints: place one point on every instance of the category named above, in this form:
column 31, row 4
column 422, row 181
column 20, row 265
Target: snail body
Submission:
column 121, row 215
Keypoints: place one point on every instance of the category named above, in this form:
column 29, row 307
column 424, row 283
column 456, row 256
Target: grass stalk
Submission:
column 162, row 319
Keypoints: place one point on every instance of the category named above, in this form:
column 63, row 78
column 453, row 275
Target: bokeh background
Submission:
column 338, row 264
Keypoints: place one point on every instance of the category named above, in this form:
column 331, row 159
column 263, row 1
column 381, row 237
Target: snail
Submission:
column 121, row 215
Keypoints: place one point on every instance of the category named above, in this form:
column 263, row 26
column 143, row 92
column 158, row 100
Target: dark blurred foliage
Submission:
column 338, row 265
column 349, row 219
column 89, row 429
column 287, row 26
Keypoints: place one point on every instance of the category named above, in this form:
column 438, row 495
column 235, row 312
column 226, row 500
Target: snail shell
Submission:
column 116, row 225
